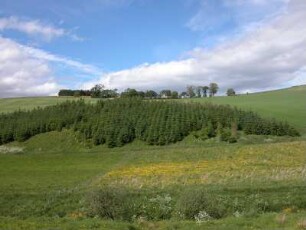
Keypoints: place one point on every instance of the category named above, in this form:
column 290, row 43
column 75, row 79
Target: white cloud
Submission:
column 270, row 56
column 22, row 75
column 35, row 28
column 43, row 55
column 26, row 71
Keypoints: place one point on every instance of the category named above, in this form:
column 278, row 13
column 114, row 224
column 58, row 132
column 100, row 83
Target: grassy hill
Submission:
column 54, row 181
column 285, row 104
column 27, row 103
column 45, row 184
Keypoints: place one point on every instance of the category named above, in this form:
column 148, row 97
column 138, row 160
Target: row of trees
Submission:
column 201, row 91
column 73, row 93
column 99, row 91
column 120, row 121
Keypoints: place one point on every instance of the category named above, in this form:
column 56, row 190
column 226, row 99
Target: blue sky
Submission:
column 148, row 44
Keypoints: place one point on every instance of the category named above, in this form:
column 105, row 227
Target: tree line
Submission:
column 99, row 91
column 120, row 121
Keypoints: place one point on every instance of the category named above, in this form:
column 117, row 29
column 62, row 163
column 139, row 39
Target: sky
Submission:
column 248, row 45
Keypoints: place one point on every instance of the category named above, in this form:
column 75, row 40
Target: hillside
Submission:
column 46, row 183
column 285, row 104
column 28, row 103
column 121, row 121
column 57, row 179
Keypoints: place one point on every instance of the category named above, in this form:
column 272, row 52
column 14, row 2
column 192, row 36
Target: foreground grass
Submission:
column 217, row 165
column 44, row 184
column 291, row 221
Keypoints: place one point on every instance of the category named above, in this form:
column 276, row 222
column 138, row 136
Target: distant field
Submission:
column 27, row 103
column 286, row 104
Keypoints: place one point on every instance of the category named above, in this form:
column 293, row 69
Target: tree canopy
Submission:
column 120, row 121
column 213, row 89
column 230, row 92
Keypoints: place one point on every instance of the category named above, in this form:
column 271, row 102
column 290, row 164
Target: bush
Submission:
column 119, row 203
column 193, row 202
column 225, row 134
column 108, row 202
column 159, row 207
column 232, row 140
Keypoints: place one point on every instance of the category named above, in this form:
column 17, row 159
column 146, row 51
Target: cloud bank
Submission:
column 27, row 71
column 271, row 55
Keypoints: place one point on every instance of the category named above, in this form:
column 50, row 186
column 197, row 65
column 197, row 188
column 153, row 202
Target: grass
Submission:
column 286, row 104
column 217, row 165
column 44, row 181
column 267, row 221
column 28, row 103
column 44, row 185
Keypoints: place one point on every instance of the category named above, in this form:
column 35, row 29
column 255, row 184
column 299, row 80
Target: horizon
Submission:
column 251, row 46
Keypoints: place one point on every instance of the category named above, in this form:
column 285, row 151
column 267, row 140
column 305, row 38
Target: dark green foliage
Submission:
column 166, row 93
column 192, row 202
column 120, row 203
column 130, row 93
column 151, row 94
column 110, row 203
column 118, row 122
column 230, row 92
column 174, row 95
column 219, row 204
column 213, row 89
column 76, row 93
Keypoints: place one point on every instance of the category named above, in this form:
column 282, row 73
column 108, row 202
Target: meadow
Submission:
column 47, row 182
column 54, row 181
column 284, row 104
column 8, row 105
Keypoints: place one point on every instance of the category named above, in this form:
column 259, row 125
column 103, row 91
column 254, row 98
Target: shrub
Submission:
column 119, row 203
column 232, row 140
column 225, row 134
column 108, row 202
column 159, row 207
column 198, row 201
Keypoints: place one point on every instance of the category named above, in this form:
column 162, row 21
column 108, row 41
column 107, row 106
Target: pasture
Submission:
column 55, row 181
column 46, row 184
column 284, row 104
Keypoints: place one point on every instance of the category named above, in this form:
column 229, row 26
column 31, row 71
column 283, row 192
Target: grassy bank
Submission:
column 47, row 182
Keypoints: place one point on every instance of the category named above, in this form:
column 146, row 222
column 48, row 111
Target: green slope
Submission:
column 27, row 103
column 286, row 104
column 44, row 186
column 45, row 183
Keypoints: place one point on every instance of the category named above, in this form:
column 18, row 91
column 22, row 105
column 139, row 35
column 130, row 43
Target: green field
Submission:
column 45, row 185
column 27, row 103
column 257, row 183
column 286, row 104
